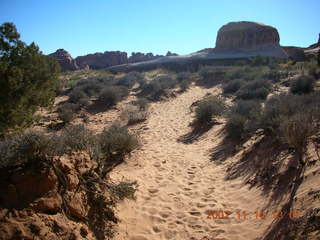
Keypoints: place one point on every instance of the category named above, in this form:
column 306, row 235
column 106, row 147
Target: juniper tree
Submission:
column 28, row 80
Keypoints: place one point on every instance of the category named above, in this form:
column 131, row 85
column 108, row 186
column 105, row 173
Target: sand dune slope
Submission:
column 179, row 185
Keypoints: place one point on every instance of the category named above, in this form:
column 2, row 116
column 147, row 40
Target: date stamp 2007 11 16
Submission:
column 246, row 215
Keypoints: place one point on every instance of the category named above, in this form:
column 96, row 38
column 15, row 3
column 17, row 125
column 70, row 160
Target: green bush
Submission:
column 76, row 138
column 27, row 148
column 184, row 85
column 133, row 115
column 257, row 89
column 142, row 104
column 302, row 85
column 67, row 112
column 76, row 95
column 183, row 76
column 283, row 106
column 166, row 82
column 236, row 73
column 158, row 87
column 211, row 75
column 116, row 141
column 123, row 190
column 207, row 109
column 243, row 119
column 28, row 80
column 112, row 95
column 232, row 86
column 296, row 130
column 130, row 79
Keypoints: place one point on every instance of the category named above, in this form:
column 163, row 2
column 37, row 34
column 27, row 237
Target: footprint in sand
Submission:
column 153, row 190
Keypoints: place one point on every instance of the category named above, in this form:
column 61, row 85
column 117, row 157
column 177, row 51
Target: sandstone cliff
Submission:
column 246, row 35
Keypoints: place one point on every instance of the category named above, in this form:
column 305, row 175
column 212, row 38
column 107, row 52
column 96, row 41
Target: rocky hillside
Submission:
column 235, row 40
column 101, row 60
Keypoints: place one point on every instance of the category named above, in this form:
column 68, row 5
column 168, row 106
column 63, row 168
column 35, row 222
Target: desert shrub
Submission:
column 184, row 85
column 274, row 108
column 92, row 88
column 76, row 95
column 208, row 109
column 76, row 138
column 130, row 79
column 296, row 130
column 112, row 95
column 116, row 141
column 133, row 115
column 31, row 147
column 67, row 112
column 284, row 106
column 302, row 85
column 150, row 88
column 243, row 119
column 84, row 102
column 210, row 75
column 275, row 75
column 263, row 61
column 182, row 76
column 28, row 80
column 257, row 89
column 157, row 88
column 123, row 190
column 141, row 103
column 237, row 73
column 232, row 86
column 166, row 81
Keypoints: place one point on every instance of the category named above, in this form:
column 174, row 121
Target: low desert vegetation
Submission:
column 243, row 119
column 208, row 110
column 111, row 95
column 210, row 76
column 158, row 87
column 302, row 85
column 256, row 89
column 134, row 114
column 67, row 112
column 290, row 119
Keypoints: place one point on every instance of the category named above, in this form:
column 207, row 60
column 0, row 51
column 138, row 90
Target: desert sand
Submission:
column 179, row 184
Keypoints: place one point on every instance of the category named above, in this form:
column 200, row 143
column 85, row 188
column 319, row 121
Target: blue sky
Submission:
column 181, row 26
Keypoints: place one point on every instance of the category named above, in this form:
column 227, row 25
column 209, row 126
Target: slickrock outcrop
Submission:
column 295, row 53
column 102, row 60
column 67, row 63
column 246, row 35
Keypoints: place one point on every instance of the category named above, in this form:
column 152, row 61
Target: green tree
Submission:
column 28, row 80
column 318, row 58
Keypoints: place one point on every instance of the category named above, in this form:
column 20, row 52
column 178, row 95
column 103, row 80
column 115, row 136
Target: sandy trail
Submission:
column 178, row 184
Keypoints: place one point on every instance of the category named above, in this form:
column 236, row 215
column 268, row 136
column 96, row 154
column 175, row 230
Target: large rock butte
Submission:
column 246, row 36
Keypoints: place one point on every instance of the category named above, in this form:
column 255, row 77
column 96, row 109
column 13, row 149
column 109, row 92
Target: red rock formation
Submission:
column 295, row 53
column 141, row 57
column 246, row 35
column 67, row 63
column 102, row 60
